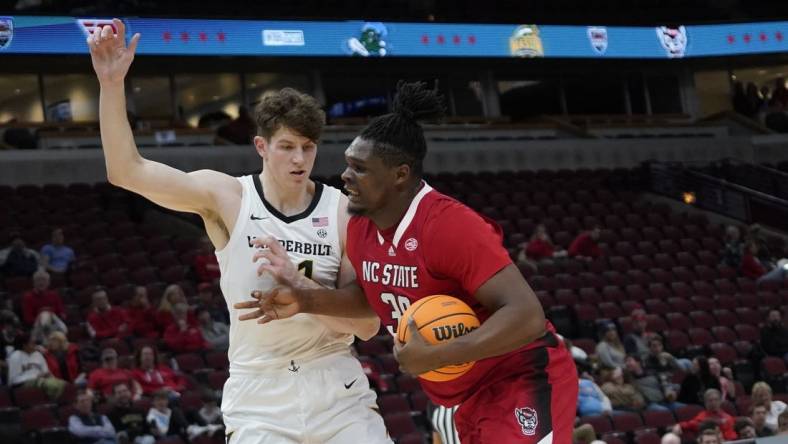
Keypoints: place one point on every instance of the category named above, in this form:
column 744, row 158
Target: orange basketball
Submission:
column 440, row 318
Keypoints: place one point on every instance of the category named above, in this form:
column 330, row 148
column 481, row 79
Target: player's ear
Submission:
column 261, row 145
column 402, row 174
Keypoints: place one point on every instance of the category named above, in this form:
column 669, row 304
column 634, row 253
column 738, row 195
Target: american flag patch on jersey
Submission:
column 319, row 221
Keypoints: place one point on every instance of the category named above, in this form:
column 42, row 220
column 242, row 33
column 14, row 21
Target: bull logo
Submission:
column 528, row 420
column 673, row 39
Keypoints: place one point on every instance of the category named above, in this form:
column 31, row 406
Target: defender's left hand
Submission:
column 417, row 356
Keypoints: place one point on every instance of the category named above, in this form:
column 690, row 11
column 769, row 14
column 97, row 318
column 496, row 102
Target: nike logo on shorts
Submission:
column 347, row 386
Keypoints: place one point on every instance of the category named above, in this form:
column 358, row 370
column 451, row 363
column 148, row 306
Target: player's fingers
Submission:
column 251, row 315
column 133, row 43
column 259, row 254
column 96, row 34
column 257, row 294
column 121, row 28
column 106, row 32
column 246, row 304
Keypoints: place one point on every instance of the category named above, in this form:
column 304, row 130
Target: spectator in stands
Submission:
column 725, row 378
column 173, row 295
column 9, row 334
column 28, row 368
column 713, row 404
column 762, row 395
column 636, row 342
column 207, row 420
column 217, row 334
column 744, row 428
column 739, row 100
column 755, row 235
column 758, row 413
column 753, row 268
column 780, row 94
column 153, row 375
column 104, row 378
column 63, row 359
column 46, row 324
column 610, row 350
column 183, row 336
column 208, row 300
column 17, row 259
column 774, row 335
column 106, row 321
column 241, row 130
column 141, row 316
column 591, row 400
column 205, row 263
column 709, row 437
column 660, row 362
column 56, row 256
column 732, row 250
column 540, row 247
column 782, row 424
column 698, row 382
column 41, row 298
column 129, row 420
column 19, row 138
column 165, row 421
column 622, row 394
column 659, row 392
column 88, row 427
column 670, row 438
column 586, row 245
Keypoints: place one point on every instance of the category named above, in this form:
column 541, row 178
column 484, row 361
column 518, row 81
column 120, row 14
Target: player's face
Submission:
column 368, row 180
column 288, row 156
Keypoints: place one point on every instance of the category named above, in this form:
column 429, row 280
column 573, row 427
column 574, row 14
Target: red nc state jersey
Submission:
column 439, row 247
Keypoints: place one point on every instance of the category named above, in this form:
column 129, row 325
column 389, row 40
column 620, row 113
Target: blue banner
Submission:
column 67, row 35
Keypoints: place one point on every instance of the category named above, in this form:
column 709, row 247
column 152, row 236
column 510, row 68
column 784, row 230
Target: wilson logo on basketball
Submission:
column 446, row 332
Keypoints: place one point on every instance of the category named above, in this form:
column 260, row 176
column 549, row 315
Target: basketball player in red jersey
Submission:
column 407, row 241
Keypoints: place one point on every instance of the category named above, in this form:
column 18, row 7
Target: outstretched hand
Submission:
column 277, row 262
column 280, row 302
column 109, row 53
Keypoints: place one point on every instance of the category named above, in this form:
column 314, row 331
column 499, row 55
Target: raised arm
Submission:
column 126, row 168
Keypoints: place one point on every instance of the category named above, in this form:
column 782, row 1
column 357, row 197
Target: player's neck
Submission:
column 393, row 213
column 287, row 200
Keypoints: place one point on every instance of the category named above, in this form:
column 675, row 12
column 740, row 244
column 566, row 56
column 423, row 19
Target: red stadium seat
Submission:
column 678, row 321
column 393, row 403
column 601, row 423
column 626, row 422
column 702, row 319
column 724, row 352
column 400, row 424
column 190, row 362
column 725, row 318
column 38, row 418
column 724, row 334
column 700, row 337
column 658, row 418
column 26, row 397
column 687, row 412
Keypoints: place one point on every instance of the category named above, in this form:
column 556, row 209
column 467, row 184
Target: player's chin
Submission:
column 356, row 208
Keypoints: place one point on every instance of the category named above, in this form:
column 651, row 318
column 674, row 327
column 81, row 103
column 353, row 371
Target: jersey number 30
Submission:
column 398, row 304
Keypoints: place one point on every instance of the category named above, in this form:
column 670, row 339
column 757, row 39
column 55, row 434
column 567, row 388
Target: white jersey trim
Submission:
column 410, row 214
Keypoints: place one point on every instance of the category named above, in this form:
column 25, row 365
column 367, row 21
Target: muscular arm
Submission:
column 169, row 187
column 517, row 319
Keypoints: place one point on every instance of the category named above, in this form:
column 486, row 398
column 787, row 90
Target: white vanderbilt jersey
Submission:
column 312, row 241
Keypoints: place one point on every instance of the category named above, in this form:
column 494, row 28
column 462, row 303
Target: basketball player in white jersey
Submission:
column 290, row 382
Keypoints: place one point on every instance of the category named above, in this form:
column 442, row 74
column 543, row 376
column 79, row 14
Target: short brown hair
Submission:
column 295, row 110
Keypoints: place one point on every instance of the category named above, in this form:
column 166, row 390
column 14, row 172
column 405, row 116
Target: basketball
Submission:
column 440, row 318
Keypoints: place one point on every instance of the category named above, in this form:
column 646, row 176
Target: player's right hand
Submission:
column 280, row 302
column 109, row 53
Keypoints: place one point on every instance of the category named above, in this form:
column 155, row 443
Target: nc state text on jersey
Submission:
column 299, row 247
column 401, row 276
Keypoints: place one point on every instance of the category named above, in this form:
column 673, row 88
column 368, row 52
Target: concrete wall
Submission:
column 68, row 166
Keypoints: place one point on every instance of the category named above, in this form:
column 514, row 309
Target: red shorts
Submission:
column 536, row 406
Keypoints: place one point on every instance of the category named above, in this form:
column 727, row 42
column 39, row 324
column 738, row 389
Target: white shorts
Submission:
column 323, row 401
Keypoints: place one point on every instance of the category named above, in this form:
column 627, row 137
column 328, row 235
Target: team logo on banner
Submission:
column 371, row 42
column 597, row 35
column 673, row 39
column 6, row 32
column 525, row 42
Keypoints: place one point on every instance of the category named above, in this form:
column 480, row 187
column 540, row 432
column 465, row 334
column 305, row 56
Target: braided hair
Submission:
column 397, row 137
